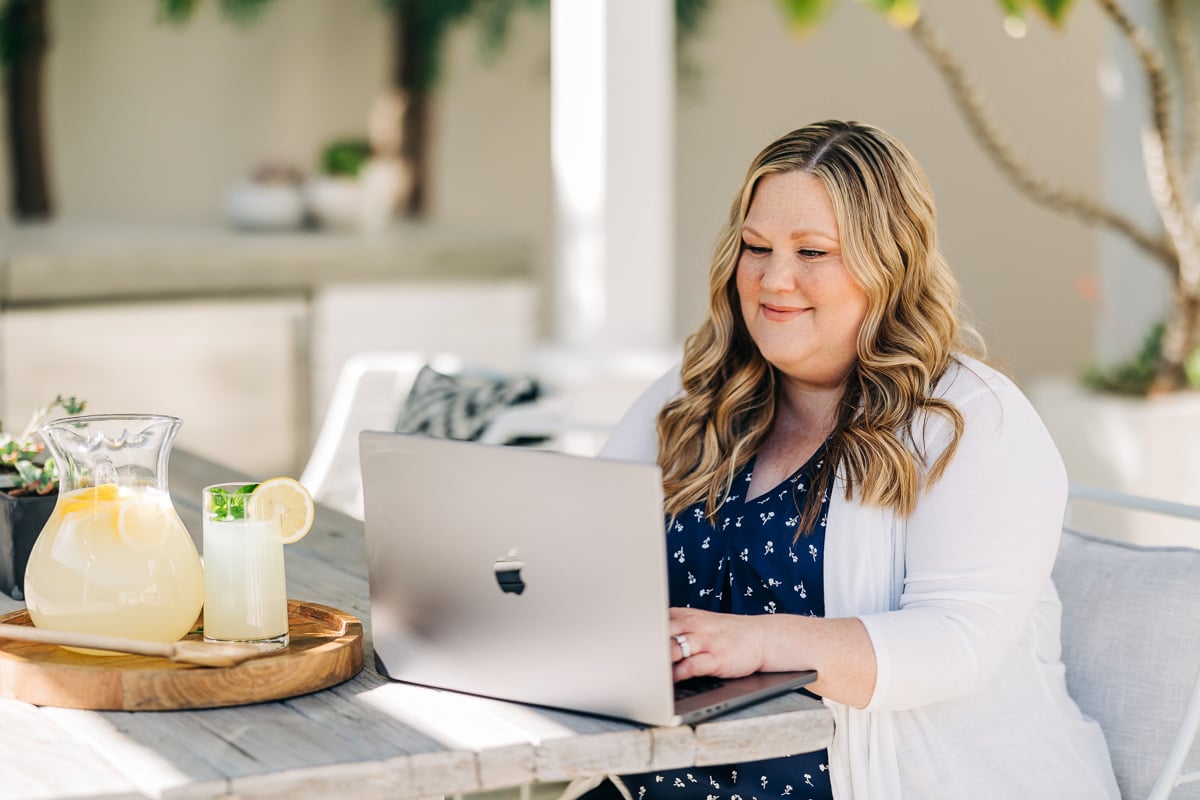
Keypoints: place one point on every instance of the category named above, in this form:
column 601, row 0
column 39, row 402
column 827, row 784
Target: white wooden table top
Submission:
column 368, row 737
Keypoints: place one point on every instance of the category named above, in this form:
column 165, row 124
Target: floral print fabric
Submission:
column 748, row 561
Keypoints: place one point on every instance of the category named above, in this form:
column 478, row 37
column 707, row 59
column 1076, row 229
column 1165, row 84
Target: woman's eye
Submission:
column 756, row 249
column 808, row 253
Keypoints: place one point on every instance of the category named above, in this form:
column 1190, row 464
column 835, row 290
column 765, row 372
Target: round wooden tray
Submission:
column 325, row 649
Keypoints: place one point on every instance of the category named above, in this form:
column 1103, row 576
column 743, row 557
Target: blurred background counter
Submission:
column 192, row 320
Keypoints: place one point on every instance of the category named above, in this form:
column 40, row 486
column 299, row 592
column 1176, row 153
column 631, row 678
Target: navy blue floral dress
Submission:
column 748, row 562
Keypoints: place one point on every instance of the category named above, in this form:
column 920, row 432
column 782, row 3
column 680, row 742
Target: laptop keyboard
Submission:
column 694, row 686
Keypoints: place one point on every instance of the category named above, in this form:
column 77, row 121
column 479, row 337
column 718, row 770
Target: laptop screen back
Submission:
column 520, row 574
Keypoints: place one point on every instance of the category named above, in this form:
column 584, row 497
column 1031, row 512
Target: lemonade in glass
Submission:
column 245, row 529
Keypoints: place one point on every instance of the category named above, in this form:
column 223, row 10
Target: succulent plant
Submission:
column 345, row 157
column 24, row 455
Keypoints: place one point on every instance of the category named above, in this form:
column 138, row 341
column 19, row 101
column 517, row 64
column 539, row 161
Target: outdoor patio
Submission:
column 193, row 243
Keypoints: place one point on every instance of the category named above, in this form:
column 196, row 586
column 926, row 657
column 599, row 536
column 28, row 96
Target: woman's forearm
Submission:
column 838, row 649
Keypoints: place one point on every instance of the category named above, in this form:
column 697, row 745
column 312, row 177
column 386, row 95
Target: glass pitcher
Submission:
column 114, row 558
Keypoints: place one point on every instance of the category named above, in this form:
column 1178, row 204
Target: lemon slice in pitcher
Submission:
column 88, row 498
column 142, row 524
column 288, row 499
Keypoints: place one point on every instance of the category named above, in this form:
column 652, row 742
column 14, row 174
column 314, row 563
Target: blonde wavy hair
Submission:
column 886, row 222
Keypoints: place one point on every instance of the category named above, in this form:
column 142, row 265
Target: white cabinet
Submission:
column 228, row 369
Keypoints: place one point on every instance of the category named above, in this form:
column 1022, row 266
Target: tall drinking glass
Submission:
column 245, row 597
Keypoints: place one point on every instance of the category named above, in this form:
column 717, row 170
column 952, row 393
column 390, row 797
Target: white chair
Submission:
column 1131, row 645
column 368, row 395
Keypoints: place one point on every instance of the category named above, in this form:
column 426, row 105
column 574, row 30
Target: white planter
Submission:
column 336, row 203
column 1147, row 447
column 363, row 204
column 250, row 205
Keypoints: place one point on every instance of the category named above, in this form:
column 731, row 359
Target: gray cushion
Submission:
column 461, row 406
column 1131, row 645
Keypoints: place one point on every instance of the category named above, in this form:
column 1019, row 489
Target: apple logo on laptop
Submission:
column 508, row 573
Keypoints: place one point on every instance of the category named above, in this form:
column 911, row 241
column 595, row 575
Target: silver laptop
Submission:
column 529, row 576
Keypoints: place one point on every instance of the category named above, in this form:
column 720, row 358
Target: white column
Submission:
column 612, row 140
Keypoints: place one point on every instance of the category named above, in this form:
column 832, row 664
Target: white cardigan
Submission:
column 970, row 699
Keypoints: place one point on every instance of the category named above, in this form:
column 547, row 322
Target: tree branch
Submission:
column 1187, row 57
column 1179, row 225
column 995, row 143
column 1158, row 152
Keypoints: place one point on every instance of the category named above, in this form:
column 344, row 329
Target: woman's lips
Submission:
column 781, row 313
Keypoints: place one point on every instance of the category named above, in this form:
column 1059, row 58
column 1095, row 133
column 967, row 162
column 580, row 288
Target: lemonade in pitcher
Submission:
column 114, row 557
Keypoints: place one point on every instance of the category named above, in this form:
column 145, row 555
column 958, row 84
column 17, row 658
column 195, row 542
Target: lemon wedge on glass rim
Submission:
column 290, row 501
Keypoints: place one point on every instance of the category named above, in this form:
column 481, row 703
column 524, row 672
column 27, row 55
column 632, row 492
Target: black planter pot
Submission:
column 21, row 520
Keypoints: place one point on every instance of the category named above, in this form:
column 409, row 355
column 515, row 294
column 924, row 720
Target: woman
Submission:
column 848, row 490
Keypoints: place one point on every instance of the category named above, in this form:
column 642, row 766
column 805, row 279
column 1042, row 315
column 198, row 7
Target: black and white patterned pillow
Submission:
column 460, row 406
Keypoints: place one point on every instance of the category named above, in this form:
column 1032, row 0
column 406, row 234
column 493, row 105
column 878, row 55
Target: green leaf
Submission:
column 901, row 13
column 426, row 25
column 72, row 405
column 1191, row 368
column 1013, row 8
column 345, row 157
column 220, row 503
column 176, row 11
column 804, row 16
column 228, row 505
column 19, row 33
column 243, row 12
column 1132, row 377
column 688, row 16
column 24, row 454
column 49, row 474
column 27, row 473
column 14, row 451
column 1054, row 10
column 493, row 25
column 32, row 478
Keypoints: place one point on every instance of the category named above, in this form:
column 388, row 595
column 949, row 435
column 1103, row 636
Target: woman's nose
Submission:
column 778, row 275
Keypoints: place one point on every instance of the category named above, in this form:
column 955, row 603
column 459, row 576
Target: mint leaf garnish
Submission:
column 228, row 505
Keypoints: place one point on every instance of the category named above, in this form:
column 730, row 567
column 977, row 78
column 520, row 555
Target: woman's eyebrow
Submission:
column 796, row 234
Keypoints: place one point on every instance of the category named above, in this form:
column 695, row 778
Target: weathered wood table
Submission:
column 368, row 737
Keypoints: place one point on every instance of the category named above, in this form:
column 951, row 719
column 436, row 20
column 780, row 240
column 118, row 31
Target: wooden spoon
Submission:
column 204, row 654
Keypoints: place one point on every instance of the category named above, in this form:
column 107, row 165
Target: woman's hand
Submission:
column 723, row 645
column 733, row 645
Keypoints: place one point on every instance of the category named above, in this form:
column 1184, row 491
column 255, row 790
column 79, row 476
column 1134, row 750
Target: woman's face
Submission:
column 797, row 299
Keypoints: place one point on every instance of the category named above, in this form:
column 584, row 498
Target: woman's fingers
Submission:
column 684, row 646
column 685, row 625
column 710, row 643
column 697, row 665
column 681, row 620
